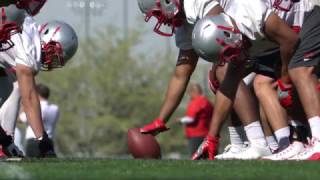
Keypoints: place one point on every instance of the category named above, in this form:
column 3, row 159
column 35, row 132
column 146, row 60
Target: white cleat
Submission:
column 310, row 153
column 287, row 153
column 231, row 151
column 254, row 152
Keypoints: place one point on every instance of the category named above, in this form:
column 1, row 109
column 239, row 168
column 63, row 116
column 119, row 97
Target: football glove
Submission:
column 207, row 148
column 45, row 145
column 155, row 127
column 284, row 93
column 12, row 151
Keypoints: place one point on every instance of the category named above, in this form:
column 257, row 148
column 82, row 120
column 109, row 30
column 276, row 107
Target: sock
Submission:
column 236, row 134
column 283, row 136
column 282, row 133
column 315, row 126
column 255, row 134
column 272, row 142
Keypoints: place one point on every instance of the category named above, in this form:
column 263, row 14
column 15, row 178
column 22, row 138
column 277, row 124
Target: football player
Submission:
column 300, row 70
column 185, row 14
column 28, row 54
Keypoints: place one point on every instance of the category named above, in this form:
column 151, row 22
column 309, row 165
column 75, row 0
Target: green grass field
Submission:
column 164, row 169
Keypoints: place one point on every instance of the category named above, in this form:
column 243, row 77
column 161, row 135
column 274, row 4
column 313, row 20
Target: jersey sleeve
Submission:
column 197, row 9
column 28, row 46
column 249, row 16
column 184, row 36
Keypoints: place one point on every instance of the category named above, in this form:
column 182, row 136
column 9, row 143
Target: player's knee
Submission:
column 301, row 74
column 259, row 82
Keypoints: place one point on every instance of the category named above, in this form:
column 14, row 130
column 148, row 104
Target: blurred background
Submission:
column 116, row 81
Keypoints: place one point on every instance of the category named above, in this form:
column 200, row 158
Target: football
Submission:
column 143, row 146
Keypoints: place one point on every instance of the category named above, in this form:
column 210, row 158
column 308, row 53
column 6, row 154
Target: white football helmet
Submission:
column 59, row 44
column 167, row 12
column 215, row 39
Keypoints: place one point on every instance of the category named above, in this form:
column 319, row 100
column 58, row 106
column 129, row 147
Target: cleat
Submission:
column 231, row 151
column 312, row 152
column 286, row 153
column 254, row 152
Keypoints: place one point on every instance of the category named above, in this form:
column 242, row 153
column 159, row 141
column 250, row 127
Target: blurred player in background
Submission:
column 50, row 116
column 197, row 117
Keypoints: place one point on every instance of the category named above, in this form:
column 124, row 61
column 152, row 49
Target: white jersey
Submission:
column 295, row 13
column 50, row 115
column 250, row 16
column 26, row 49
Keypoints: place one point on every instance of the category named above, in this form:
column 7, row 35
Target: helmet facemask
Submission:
column 167, row 13
column 7, row 29
column 31, row 6
column 232, row 44
column 52, row 56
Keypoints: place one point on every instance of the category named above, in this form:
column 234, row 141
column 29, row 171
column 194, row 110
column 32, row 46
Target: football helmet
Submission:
column 59, row 44
column 31, row 6
column 11, row 22
column 215, row 39
column 165, row 11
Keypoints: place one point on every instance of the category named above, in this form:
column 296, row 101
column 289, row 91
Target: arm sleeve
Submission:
column 186, row 120
column 197, row 9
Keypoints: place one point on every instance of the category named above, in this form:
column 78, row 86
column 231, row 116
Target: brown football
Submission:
column 143, row 146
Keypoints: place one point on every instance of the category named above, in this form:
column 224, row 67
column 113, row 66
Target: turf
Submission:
column 164, row 169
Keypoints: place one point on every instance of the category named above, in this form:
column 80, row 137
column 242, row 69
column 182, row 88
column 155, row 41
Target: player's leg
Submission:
column 245, row 107
column 302, row 73
column 237, row 139
column 268, row 132
column 275, row 113
column 278, row 119
column 10, row 109
column 6, row 134
column 235, row 128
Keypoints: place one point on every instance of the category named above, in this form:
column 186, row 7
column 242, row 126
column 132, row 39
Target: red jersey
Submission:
column 200, row 109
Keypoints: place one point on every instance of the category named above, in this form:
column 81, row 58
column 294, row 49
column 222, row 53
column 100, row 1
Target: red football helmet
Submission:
column 31, row 6
column 167, row 12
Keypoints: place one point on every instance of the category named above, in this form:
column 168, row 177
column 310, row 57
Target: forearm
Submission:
column 222, row 108
column 175, row 92
column 187, row 62
column 30, row 101
column 32, row 109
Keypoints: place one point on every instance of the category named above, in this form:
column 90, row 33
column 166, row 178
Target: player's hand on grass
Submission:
column 207, row 148
column 46, row 147
column 155, row 127
column 284, row 91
